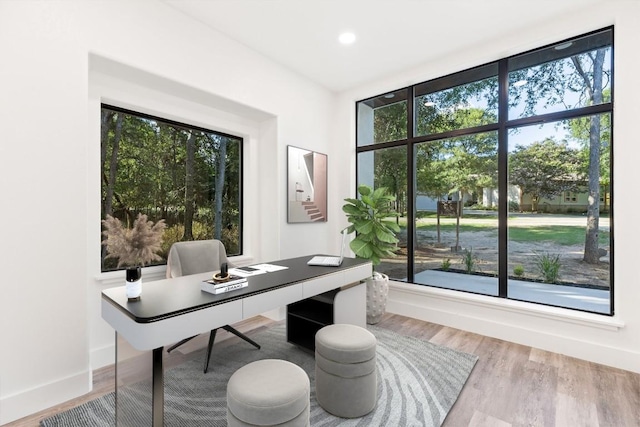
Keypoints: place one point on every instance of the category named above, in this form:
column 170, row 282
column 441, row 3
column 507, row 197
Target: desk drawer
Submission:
column 322, row 284
column 357, row 274
column 266, row 301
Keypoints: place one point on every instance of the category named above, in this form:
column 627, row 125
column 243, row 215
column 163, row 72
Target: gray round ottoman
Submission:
column 346, row 376
column 268, row 392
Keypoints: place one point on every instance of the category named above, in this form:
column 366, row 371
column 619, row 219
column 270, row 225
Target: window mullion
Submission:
column 503, row 184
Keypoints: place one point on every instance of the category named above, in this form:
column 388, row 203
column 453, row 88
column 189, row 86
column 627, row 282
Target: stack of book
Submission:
column 215, row 286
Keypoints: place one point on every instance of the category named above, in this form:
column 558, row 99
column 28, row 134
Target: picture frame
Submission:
column 306, row 185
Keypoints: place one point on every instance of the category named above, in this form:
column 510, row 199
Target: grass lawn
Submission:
column 559, row 234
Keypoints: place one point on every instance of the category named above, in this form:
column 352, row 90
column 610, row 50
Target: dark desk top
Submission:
column 172, row 297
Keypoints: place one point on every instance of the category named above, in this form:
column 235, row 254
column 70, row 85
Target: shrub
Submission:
column 469, row 260
column 518, row 270
column 548, row 266
column 446, row 264
column 201, row 231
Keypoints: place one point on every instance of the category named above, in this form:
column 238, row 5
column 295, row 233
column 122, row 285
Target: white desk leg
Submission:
column 350, row 305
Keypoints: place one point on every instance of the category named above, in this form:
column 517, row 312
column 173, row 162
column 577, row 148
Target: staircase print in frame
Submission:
column 306, row 185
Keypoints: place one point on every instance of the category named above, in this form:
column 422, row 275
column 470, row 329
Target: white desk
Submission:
column 173, row 309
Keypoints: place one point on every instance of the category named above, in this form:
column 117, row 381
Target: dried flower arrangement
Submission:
column 136, row 246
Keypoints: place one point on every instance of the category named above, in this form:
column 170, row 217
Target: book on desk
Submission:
column 215, row 286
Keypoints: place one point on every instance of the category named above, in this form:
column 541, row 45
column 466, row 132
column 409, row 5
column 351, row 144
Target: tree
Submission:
column 390, row 124
column 544, row 170
column 391, row 173
column 189, row 190
column 584, row 75
column 172, row 172
column 431, row 176
column 593, row 88
column 219, row 186
column 458, row 165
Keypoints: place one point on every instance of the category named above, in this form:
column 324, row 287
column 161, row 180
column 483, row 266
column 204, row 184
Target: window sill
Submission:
column 156, row 272
column 117, row 277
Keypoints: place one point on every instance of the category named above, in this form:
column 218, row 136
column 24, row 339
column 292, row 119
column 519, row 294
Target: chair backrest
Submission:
column 195, row 257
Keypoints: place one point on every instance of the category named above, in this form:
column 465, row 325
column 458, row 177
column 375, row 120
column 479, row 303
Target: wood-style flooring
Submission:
column 511, row 385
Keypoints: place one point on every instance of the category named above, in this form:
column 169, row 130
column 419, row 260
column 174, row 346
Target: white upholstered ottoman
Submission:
column 346, row 375
column 268, row 392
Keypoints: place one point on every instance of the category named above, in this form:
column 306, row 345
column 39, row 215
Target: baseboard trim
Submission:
column 103, row 356
column 580, row 335
column 44, row 396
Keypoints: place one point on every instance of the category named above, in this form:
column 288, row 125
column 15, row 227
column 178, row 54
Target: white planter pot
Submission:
column 377, row 293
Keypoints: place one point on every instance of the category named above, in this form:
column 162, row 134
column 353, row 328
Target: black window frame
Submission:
column 502, row 126
column 187, row 126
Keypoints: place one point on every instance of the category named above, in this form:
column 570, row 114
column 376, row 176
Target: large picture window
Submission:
column 503, row 179
column 188, row 176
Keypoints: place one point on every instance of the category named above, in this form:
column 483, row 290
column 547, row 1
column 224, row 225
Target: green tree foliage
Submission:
column 390, row 122
column 170, row 172
column 458, row 166
column 580, row 130
column 544, row 170
column 390, row 167
column 576, row 81
column 453, row 108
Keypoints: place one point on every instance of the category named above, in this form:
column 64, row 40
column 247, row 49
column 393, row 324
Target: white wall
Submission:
column 613, row 340
column 60, row 59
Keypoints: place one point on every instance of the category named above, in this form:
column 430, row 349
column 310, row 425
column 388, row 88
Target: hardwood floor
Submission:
column 511, row 384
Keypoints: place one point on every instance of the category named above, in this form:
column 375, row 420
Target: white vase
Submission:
column 377, row 293
column 134, row 283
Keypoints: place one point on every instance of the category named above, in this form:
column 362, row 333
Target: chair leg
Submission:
column 212, row 338
column 241, row 335
column 173, row 347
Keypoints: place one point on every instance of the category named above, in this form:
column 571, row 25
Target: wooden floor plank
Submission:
column 511, row 384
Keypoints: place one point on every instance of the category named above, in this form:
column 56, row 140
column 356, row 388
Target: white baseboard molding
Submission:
column 581, row 335
column 103, row 356
column 45, row 396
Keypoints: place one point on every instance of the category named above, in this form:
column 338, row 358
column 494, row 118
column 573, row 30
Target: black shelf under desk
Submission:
column 306, row 317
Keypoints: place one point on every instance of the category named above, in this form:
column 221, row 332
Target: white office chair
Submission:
column 195, row 257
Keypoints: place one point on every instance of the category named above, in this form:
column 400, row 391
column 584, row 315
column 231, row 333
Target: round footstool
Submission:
column 267, row 393
column 346, row 376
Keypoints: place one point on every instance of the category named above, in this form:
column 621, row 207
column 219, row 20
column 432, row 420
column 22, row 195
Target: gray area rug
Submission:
column 418, row 383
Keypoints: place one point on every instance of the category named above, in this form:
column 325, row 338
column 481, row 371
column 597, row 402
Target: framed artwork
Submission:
column 306, row 185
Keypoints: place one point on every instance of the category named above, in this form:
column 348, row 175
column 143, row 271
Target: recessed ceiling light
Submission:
column 347, row 38
column 520, row 83
column 563, row 46
column 390, row 95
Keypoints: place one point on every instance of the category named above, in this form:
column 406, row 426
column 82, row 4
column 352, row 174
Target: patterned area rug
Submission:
column 418, row 383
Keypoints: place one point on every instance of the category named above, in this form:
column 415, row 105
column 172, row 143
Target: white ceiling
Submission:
column 392, row 35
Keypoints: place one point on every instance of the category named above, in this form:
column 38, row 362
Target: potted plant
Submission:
column 370, row 217
column 134, row 248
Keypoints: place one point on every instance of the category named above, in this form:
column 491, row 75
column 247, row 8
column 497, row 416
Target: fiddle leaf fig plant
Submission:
column 372, row 217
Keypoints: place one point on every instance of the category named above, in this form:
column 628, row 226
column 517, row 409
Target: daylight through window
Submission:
column 502, row 175
column 188, row 176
